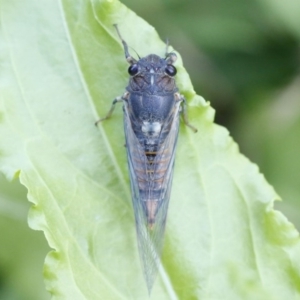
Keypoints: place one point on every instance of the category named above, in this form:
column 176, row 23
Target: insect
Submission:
column 152, row 106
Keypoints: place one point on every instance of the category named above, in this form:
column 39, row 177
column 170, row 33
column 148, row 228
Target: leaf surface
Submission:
column 62, row 65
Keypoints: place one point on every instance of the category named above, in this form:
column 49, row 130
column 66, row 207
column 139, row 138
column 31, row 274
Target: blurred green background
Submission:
column 243, row 56
column 22, row 250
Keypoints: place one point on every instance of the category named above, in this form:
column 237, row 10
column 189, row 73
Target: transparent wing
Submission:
column 151, row 187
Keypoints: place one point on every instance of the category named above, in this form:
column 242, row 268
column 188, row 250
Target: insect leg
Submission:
column 184, row 114
column 116, row 100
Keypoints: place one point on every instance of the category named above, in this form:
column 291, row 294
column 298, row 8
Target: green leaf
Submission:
column 62, row 65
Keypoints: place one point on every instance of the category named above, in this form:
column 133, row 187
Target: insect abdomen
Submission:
column 151, row 170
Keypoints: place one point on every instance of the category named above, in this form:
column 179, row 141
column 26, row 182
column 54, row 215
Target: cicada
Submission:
column 152, row 105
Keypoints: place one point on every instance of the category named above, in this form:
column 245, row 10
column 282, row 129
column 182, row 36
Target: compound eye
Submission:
column 170, row 70
column 133, row 69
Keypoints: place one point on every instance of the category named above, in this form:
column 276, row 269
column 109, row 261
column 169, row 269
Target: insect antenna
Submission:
column 170, row 56
column 167, row 47
column 128, row 57
column 135, row 53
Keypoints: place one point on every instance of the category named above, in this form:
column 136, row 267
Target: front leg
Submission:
column 116, row 100
column 184, row 112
